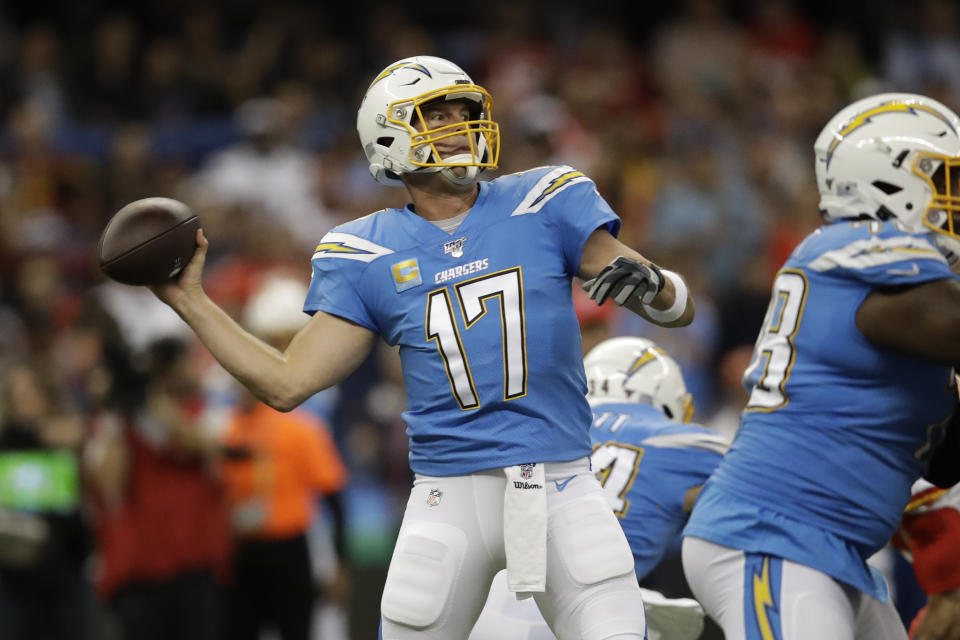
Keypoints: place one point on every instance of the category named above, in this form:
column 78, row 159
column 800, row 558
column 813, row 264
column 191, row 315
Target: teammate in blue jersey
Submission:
column 651, row 463
column 472, row 281
column 850, row 384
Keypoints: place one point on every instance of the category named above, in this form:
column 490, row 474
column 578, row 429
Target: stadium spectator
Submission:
column 277, row 467
column 923, row 48
column 44, row 542
column 159, row 513
column 267, row 175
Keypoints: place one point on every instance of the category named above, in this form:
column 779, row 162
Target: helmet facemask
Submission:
column 942, row 214
column 481, row 133
column 943, row 175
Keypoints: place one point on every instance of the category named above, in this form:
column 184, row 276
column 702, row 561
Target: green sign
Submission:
column 39, row 480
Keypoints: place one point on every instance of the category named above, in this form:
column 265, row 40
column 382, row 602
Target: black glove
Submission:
column 622, row 278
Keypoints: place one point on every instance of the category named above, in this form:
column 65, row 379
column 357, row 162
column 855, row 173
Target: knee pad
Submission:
column 614, row 610
column 591, row 545
column 427, row 559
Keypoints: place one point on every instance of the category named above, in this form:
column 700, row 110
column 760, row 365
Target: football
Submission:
column 148, row 241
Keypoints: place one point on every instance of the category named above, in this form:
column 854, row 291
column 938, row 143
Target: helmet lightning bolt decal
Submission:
column 402, row 65
column 647, row 356
column 889, row 107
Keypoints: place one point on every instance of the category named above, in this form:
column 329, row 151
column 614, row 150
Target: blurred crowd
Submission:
column 119, row 435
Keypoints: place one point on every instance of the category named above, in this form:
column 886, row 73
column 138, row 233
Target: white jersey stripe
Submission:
column 552, row 183
column 349, row 247
column 873, row 252
column 706, row 441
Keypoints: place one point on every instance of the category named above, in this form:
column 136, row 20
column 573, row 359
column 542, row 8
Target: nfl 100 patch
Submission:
column 454, row 247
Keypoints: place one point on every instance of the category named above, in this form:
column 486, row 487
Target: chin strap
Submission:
column 467, row 178
column 450, row 172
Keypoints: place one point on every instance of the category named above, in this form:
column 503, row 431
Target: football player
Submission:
column 472, row 281
column 849, row 386
column 651, row 462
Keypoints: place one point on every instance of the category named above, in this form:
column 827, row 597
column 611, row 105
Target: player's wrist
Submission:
column 188, row 302
column 676, row 310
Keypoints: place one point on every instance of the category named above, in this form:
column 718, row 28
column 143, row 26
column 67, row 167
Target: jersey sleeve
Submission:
column 576, row 207
column 336, row 284
column 888, row 258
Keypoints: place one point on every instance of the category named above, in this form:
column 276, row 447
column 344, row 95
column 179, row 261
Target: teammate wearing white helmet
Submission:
column 850, row 384
column 472, row 281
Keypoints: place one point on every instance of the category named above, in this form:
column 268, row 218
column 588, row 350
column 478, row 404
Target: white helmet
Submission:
column 893, row 156
column 391, row 109
column 637, row 370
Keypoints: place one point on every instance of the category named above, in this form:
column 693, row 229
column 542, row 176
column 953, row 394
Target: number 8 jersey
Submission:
column 489, row 342
column 834, row 431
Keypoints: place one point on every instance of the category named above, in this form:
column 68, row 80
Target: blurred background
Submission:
column 136, row 478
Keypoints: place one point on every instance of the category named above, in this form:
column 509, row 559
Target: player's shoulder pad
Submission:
column 538, row 186
column 861, row 245
column 687, row 436
column 363, row 239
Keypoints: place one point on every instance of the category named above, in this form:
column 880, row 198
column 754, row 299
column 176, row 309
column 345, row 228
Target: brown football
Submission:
column 148, row 242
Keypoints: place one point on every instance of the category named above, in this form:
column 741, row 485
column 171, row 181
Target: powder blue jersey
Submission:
column 489, row 342
column 836, row 428
column 647, row 464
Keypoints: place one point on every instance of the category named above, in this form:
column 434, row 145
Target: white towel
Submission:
column 525, row 529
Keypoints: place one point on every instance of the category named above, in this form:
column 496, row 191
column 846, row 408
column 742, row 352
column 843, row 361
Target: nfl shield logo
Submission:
column 526, row 470
column 433, row 499
column 455, row 247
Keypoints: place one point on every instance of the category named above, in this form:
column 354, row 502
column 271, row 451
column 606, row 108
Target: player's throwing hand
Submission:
column 190, row 278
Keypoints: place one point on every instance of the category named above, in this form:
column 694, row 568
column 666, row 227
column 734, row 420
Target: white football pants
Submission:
column 451, row 545
column 759, row 597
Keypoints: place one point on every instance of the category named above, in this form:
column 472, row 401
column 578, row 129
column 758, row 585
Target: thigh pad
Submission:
column 427, row 559
column 589, row 541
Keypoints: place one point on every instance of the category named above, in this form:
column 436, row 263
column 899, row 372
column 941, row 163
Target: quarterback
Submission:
column 472, row 281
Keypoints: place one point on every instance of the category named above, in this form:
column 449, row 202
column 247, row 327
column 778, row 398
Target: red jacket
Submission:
column 172, row 519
